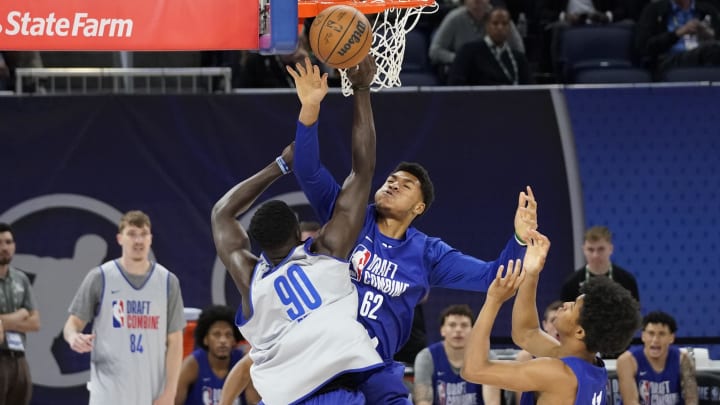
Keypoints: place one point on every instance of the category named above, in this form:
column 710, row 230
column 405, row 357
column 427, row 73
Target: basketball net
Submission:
column 388, row 48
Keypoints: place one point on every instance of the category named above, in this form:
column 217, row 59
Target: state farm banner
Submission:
column 128, row 25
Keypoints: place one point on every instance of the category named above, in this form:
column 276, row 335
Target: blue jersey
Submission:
column 592, row 382
column 448, row 386
column 206, row 389
column 658, row 388
column 391, row 275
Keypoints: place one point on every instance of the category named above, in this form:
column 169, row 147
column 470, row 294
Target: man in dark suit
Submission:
column 490, row 60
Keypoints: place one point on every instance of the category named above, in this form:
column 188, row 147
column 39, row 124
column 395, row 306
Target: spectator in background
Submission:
column 437, row 367
column 491, row 60
column 678, row 33
column 460, row 26
column 309, row 229
column 18, row 315
column 577, row 12
column 597, row 248
column 203, row 372
column 548, row 325
column 657, row 372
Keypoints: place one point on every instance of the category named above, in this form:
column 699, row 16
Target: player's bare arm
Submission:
column 188, row 375
column 231, row 240
column 526, row 331
column 339, row 234
column 688, row 381
column 626, row 369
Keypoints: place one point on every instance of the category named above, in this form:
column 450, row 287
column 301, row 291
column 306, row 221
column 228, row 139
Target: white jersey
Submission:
column 128, row 356
column 305, row 331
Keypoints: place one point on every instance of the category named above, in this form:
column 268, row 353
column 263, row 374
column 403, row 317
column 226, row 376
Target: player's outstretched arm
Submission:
column 231, row 240
column 476, row 361
column 236, row 381
column 540, row 375
column 526, row 331
column 340, row 234
column 317, row 183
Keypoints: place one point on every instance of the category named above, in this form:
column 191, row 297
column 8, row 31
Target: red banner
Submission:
column 133, row 25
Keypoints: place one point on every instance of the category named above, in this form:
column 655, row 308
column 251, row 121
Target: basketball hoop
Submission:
column 393, row 20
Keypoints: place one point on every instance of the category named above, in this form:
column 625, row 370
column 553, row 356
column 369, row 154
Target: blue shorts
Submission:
column 339, row 396
column 386, row 386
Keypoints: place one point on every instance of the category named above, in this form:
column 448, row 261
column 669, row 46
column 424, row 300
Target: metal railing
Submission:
column 125, row 80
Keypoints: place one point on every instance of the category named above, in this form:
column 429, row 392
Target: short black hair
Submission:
column 210, row 315
column 460, row 309
column 426, row 185
column 661, row 318
column 273, row 224
column 610, row 316
column 6, row 228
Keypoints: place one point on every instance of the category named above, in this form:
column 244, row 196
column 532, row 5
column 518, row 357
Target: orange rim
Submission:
column 311, row 8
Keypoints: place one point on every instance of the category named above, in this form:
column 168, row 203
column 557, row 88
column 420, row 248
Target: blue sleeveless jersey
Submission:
column 391, row 275
column 658, row 388
column 206, row 389
column 592, row 382
column 448, row 386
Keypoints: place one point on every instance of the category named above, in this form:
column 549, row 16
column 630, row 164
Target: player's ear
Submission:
column 419, row 208
column 579, row 333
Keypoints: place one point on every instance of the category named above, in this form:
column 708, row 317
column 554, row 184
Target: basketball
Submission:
column 340, row 36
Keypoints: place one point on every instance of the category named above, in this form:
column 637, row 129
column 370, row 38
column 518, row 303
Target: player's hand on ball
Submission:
column 363, row 74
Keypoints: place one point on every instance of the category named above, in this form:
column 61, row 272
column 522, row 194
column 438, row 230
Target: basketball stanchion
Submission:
column 391, row 21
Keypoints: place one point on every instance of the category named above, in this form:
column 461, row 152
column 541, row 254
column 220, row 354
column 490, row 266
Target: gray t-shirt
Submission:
column 87, row 298
column 15, row 293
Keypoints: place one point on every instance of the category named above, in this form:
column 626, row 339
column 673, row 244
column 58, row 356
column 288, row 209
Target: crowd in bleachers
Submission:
column 542, row 42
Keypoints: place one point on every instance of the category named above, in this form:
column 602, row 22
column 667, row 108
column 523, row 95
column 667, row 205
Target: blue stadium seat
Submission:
column 600, row 75
column 692, row 74
column 589, row 46
column 416, row 70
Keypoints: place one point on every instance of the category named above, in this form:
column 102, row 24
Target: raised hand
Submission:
column 310, row 85
column 526, row 214
column 505, row 286
column 538, row 246
column 363, row 74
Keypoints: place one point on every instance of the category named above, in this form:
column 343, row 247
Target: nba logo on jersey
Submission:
column 644, row 388
column 207, row 396
column 358, row 260
column 118, row 312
